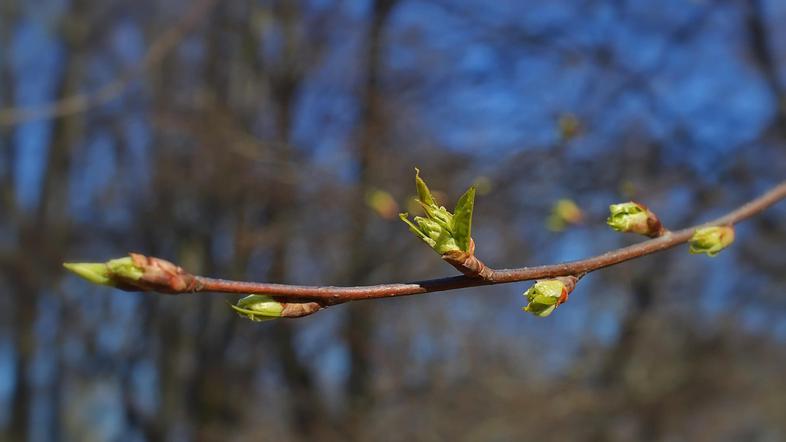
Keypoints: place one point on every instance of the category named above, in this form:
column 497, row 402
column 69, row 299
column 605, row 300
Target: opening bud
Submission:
column 258, row 308
column 443, row 231
column 547, row 294
column 634, row 217
column 265, row 307
column 711, row 240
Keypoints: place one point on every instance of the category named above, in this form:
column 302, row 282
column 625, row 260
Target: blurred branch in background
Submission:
column 81, row 102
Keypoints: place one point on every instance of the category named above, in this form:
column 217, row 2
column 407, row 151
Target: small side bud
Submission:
column 546, row 294
column 711, row 240
column 265, row 308
column 258, row 308
column 634, row 217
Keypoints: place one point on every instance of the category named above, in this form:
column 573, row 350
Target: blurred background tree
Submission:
column 275, row 140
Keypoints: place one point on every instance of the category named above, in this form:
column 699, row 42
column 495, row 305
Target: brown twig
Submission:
column 328, row 295
column 83, row 102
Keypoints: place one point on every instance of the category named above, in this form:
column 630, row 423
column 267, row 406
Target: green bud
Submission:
column 547, row 294
column 95, row 272
column 125, row 268
column 258, row 308
column 634, row 218
column 544, row 296
column 138, row 273
column 108, row 273
column 711, row 240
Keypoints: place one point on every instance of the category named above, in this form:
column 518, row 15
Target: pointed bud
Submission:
column 95, row 272
column 258, row 308
column 138, row 273
column 711, row 240
column 119, row 273
column 634, row 218
column 546, row 294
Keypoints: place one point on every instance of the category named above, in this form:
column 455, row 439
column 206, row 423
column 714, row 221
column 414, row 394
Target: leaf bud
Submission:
column 711, row 240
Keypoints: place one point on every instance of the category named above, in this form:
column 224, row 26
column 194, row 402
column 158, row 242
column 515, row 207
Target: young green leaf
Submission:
column 445, row 242
column 424, row 195
column 462, row 219
column 415, row 229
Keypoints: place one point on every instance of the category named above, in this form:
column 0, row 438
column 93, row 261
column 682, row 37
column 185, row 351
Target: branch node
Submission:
column 468, row 264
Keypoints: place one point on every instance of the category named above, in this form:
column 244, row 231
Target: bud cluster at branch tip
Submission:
column 449, row 234
column 547, row 294
column 441, row 230
column 137, row 273
column 634, row 217
column 711, row 240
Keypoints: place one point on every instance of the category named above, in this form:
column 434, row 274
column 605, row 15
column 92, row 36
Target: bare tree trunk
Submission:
column 305, row 404
column 358, row 328
column 762, row 49
column 46, row 232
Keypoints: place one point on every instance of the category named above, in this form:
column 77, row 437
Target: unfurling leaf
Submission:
column 443, row 231
column 462, row 219
column 424, row 194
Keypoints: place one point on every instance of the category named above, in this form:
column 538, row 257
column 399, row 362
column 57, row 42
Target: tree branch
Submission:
column 78, row 103
column 142, row 273
column 329, row 295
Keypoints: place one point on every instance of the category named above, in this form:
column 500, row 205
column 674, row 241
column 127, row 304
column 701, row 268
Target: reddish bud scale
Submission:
column 159, row 275
column 298, row 309
column 467, row 263
column 570, row 284
column 654, row 226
